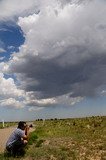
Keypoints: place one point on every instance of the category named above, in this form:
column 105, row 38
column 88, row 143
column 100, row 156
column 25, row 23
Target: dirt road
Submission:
column 4, row 135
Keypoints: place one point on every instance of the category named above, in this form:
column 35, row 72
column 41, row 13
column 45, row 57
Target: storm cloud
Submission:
column 49, row 78
column 64, row 50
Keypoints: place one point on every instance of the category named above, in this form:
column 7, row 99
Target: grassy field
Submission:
column 67, row 139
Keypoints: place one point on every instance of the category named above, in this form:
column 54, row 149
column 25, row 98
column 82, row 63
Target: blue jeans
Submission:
column 17, row 148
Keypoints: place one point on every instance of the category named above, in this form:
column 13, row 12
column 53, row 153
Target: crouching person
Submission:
column 18, row 140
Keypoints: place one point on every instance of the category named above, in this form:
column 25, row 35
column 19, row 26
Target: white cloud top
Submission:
column 57, row 28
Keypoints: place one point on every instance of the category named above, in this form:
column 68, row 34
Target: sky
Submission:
column 52, row 59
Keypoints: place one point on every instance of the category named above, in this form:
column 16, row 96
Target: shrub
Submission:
column 33, row 138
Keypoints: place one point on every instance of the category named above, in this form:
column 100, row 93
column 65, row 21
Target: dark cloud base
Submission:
column 51, row 78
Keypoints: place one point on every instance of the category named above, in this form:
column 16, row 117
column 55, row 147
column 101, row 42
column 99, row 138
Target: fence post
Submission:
column 3, row 123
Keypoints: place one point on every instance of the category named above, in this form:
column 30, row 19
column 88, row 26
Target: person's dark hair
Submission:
column 21, row 124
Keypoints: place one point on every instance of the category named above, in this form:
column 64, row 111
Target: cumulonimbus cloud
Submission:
column 64, row 50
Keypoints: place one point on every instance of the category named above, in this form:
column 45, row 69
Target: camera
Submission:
column 30, row 125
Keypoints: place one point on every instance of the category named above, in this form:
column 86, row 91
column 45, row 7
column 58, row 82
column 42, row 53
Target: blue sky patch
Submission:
column 11, row 37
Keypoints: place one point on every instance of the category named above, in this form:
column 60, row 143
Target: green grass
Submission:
column 68, row 139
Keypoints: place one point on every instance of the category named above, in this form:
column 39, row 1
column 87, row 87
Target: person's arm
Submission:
column 27, row 130
column 26, row 133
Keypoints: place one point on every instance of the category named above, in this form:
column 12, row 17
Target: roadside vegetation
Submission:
column 7, row 124
column 67, row 139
